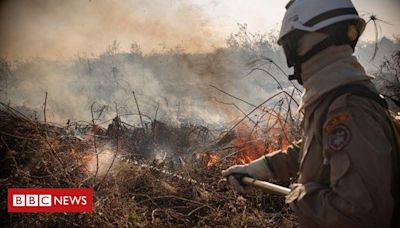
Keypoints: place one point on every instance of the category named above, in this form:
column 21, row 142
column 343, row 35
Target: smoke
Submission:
column 170, row 66
column 104, row 162
column 171, row 86
column 60, row 29
column 55, row 37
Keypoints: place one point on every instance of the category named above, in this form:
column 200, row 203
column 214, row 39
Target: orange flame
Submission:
column 209, row 158
column 248, row 145
column 251, row 143
column 213, row 159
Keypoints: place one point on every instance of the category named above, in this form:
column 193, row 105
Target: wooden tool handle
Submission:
column 266, row 186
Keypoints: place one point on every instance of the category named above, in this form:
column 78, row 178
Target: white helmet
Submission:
column 336, row 18
column 313, row 15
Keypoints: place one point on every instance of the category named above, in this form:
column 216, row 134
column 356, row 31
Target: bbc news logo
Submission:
column 50, row 200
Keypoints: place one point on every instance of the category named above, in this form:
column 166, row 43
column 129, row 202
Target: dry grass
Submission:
column 35, row 154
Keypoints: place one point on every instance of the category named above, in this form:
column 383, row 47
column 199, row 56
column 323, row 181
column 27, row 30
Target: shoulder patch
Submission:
column 338, row 137
column 335, row 120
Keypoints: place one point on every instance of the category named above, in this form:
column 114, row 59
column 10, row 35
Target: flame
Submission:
column 213, row 159
column 250, row 143
column 249, row 146
column 285, row 144
column 209, row 158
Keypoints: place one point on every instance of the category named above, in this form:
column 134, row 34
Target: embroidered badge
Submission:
column 339, row 137
column 338, row 119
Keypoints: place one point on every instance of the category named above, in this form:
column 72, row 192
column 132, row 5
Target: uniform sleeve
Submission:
column 357, row 144
column 285, row 164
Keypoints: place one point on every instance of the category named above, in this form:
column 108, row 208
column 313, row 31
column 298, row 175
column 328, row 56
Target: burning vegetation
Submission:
column 156, row 175
column 155, row 140
column 146, row 170
column 155, row 137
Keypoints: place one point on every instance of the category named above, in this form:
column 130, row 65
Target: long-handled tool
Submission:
column 265, row 186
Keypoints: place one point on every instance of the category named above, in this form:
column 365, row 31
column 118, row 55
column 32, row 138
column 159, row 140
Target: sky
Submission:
column 267, row 14
column 63, row 29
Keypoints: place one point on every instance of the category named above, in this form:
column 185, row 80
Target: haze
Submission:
column 63, row 29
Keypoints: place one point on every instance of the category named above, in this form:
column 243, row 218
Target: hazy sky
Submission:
column 267, row 14
column 58, row 29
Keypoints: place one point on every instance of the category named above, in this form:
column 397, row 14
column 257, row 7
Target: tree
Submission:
column 388, row 79
column 5, row 77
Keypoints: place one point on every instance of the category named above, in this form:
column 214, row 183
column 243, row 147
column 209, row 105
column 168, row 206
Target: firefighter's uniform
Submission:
column 344, row 161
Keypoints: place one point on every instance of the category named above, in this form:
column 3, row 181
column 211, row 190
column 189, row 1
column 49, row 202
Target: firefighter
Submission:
column 343, row 164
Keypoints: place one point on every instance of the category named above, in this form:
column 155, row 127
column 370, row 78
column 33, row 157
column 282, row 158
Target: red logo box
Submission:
column 50, row 200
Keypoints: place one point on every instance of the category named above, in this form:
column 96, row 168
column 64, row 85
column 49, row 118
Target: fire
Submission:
column 213, row 159
column 285, row 144
column 252, row 144
column 248, row 146
column 249, row 143
column 209, row 158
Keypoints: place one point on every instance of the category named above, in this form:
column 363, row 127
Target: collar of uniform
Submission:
column 333, row 67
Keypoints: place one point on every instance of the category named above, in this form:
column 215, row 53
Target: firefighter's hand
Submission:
column 257, row 169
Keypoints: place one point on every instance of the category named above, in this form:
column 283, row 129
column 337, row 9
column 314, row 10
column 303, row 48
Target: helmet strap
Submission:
column 297, row 74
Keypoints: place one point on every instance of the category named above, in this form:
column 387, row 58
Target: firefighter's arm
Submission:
column 285, row 164
column 358, row 148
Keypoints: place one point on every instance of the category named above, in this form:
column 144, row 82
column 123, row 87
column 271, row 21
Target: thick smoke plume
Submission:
column 56, row 29
column 171, row 63
column 171, row 86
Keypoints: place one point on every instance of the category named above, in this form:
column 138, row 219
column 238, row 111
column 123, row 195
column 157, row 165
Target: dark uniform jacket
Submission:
column 343, row 164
